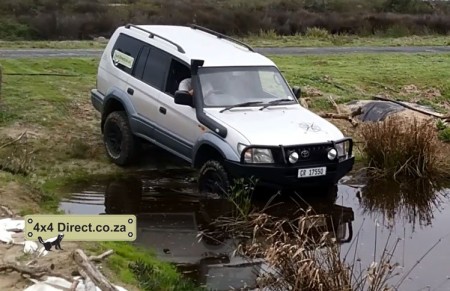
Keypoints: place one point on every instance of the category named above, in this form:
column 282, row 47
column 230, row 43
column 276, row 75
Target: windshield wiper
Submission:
column 241, row 105
column 275, row 102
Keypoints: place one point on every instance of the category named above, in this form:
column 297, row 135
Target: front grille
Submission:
column 310, row 153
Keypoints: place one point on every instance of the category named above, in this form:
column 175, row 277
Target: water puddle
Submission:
column 171, row 215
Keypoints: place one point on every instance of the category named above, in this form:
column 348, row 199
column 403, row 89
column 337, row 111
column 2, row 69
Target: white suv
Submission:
column 240, row 120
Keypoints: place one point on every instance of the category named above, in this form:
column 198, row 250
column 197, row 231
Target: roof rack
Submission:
column 220, row 35
column 153, row 35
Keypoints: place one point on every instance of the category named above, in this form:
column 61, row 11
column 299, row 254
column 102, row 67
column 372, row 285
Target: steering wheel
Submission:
column 211, row 93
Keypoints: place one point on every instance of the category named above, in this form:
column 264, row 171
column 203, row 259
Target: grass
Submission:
column 328, row 40
column 264, row 39
column 359, row 76
column 444, row 134
column 139, row 267
column 399, row 147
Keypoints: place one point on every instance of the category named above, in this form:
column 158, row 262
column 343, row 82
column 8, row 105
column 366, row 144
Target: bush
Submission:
column 314, row 32
column 73, row 19
column 444, row 134
column 399, row 147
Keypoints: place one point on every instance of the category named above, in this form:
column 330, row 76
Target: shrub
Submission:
column 444, row 134
column 402, row 147
column 315, row 32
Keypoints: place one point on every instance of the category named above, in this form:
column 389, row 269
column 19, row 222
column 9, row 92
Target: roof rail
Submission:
column 153, row 35
column 220, row 35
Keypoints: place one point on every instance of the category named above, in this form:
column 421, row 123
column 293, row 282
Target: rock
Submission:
column 30, row 247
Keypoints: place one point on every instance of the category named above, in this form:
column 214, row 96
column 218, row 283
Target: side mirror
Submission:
column 297, row 91
column 184, row 98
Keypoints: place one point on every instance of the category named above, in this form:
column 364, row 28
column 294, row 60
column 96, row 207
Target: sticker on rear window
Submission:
column 123, row 59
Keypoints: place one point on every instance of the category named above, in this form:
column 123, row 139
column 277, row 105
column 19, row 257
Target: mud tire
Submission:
column 213, row 178
column 120, row 143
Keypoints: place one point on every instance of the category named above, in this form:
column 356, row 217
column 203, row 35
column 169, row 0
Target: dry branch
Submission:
column 89, row 285
column 446, row 118
column 13, row 141
column 74, row 285
column 7, row 210
column 99, row 258
column 340, row 116
column 34, row 272
column 91, row 271
column 334, row 104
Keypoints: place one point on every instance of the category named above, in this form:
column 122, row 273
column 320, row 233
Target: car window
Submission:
column 140, row 63
column 156, row 68
column 125, row 52
column 227, row 86
column 272, row 83
column 178, row 72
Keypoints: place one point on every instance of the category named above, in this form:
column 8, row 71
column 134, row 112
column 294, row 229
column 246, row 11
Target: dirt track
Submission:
column 48, row 53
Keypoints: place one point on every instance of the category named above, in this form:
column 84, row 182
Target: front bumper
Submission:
column 284, row 174
column 287, row 177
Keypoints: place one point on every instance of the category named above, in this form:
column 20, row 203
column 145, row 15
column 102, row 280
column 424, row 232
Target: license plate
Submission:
column 312, row 172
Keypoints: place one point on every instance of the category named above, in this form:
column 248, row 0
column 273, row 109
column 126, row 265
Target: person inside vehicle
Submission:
column 186, row 85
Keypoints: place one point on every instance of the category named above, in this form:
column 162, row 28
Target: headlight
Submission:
column 343, row 148
column 332, row 154
column 258, row 156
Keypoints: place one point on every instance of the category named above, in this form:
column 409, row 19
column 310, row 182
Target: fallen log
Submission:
column 91, row 271
column 88, row 284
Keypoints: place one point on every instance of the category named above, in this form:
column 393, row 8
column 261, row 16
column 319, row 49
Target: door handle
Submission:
column 130, row 91
column 162, row 110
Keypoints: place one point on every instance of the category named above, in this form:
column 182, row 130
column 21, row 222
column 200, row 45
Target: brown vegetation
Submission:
column 73, row 19
column 403, row 147
column 303, row 254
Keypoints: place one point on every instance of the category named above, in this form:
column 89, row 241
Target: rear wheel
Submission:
column 213, row 178
column 120, row 143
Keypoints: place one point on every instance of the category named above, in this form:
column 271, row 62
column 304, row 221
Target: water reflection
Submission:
column 410, row 202
column 171, row 217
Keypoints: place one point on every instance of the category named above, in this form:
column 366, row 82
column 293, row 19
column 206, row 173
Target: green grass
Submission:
column 163, row 276
column 264, row 40
column 359, row 76
column 273, row 40
column 66, row 44
column 444, row 134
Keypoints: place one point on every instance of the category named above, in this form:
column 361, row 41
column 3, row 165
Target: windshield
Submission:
column 232, row 86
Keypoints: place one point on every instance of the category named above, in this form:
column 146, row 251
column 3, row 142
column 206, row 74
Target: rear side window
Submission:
column 157, row 68
column 125, row 52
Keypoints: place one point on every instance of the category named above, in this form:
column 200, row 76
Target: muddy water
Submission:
column 366, row 219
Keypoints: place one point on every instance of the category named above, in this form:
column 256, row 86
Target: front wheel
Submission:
column 120, row 143
column 213, row 178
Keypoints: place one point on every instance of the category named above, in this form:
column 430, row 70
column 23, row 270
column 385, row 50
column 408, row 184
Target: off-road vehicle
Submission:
column 240, row 120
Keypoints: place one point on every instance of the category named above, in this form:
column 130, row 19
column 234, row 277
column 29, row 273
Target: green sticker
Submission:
column 123, row 59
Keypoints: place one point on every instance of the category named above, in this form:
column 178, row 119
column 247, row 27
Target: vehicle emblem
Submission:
column 304, row 154
column 310, row 127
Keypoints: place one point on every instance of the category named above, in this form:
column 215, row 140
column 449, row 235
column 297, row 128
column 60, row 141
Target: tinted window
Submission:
column 140, row 64
column 125, row 52
column 156, row 69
